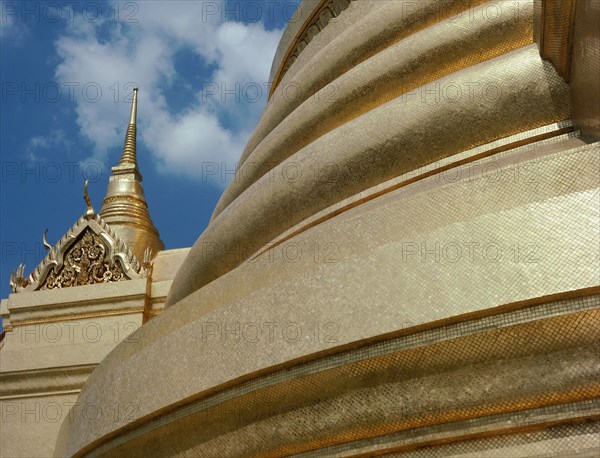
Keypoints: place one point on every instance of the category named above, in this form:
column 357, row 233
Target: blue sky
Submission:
column 67, row 71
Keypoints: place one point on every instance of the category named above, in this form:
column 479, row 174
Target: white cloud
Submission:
column 108, row 55
column 55, row 141
column 12, row 30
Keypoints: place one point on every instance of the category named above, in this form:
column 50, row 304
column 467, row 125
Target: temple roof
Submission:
column 114, row 245
column 89, row 252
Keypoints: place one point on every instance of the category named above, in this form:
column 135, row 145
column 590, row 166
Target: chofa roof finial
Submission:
column 45, row 241
column 89, row 212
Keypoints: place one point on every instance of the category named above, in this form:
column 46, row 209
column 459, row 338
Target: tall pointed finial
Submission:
column 128, row 156
column 132, row 118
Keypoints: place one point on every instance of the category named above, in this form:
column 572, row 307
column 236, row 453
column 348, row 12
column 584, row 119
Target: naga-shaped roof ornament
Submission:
column 90, row 252
column 89, row 212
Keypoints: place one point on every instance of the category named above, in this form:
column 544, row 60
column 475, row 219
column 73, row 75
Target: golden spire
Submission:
column 125, row 208
column 128, row 156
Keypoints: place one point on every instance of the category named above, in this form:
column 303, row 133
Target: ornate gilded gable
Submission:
column 86, row 262
column 89, row 253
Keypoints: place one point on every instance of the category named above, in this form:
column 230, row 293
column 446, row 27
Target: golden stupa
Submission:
column 406, row 262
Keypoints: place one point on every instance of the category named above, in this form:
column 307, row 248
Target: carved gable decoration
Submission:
column 89, row 253
column 86, row 262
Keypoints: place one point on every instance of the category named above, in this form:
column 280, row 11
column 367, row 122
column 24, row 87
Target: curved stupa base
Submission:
column 400, row 268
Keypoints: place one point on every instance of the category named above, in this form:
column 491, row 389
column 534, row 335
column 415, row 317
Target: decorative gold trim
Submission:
column 40, row 395
column 80, row 316
column 134, row 199
column 149, row 267
column 303, row 35
column 548, row 307
column 44, row 382
column 524, row 427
